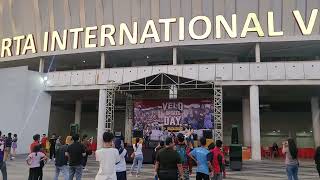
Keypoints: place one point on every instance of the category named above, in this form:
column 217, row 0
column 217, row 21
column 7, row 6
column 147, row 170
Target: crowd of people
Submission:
column 70, row 158
column 173, row 158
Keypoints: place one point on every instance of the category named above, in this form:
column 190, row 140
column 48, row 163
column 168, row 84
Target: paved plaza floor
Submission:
column 264, row 170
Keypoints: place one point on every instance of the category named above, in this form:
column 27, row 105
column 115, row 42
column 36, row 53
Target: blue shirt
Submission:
column 201, row 155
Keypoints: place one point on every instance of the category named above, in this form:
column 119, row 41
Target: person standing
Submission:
column 107, row 157
column 86, row 145
column 121, row 167
column 69, row 140
column 275, row 150
column 14, row 145
column 218, row 161
column 35, row 165
column 289, row 148
column 52, row 148
column 147, row 137
column 59, row 143
column 317, row 159
column 61, row 161
column 155, row 153
column 8, row 146
column 36, row 141
column 168, row 162
column 203, row 157
column 44, row 141
column 75, row 153
column 183, row 151
column 3, row 166
column 138, row 157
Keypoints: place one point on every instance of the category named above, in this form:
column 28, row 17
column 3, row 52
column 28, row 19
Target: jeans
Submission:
column 84, row 161
column 138, row 160
column 318, row 169
column 3, row 167
column 292, row 172
column 63, row 170
column 75, row 171
column 217, row 176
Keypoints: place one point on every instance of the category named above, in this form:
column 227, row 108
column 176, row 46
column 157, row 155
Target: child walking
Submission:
column 36, row 161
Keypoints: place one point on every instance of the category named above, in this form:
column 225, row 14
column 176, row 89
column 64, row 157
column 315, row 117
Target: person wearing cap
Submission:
column 168, row 162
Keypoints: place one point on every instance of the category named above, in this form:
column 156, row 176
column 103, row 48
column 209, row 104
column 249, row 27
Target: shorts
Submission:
column 14, row 145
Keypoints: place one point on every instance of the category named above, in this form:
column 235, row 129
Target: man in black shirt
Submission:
column 75, row 152
column 168, row 162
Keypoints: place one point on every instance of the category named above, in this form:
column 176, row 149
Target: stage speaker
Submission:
column 137, row 133
column 236, row 157
column 207, row 134
column 74, row 129
column 234, row 135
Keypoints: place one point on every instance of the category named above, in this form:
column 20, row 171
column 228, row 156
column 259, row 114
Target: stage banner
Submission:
column 173, row 115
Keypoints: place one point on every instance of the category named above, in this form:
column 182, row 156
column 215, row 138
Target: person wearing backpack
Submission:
column 183, row 151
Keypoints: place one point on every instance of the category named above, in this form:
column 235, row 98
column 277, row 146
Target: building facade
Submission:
column 264, row 54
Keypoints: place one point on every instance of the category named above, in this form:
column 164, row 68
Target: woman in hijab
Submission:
column 121, row 166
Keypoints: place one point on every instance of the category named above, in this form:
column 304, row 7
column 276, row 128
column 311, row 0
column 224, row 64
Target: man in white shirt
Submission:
column 108, row 157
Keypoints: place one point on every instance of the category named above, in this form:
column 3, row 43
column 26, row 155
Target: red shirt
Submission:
column 44, row 141
column 215, row 162
column 32, row 145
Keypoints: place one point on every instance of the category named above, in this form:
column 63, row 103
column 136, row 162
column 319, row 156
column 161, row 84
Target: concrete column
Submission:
column 246, row 122
column 255, row 123
column 77, row 114
column 129, row 120
column 257, row 52
column 102, row 60
column 315, row 120
column 101, row 117
column 41, row 65
column 174, row 56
